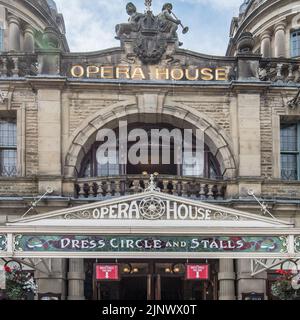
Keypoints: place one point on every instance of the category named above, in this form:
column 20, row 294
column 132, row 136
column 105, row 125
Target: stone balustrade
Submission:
column 126, row 185
column 18, row 65
column 279, row 70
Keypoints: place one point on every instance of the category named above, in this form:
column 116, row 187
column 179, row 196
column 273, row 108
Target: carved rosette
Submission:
column 152, row 208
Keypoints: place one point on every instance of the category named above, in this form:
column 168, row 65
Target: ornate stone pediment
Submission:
column 152, row 208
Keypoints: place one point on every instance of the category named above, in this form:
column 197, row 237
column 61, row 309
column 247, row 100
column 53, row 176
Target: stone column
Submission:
column 76, row 277
column 55, row 282
column 266, row 44
column 227, row 280
column 28, row 39
column 280, row 47
column 248, row 284
column 14, row 33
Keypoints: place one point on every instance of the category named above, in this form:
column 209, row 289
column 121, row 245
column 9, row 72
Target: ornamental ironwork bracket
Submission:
column 264, row 206
column 259, row 266
column 49, row 190
column 294, row 103
column 34, row 264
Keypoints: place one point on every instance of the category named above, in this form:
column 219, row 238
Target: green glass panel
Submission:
column 3, row 242
column 190, row 244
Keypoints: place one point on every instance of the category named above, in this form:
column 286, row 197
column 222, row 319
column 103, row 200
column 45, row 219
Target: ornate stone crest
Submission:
column 150, row 34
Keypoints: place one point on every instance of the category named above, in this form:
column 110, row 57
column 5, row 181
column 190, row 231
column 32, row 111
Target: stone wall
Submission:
column 18, row 187
column 215, row 106
column 25, row 98
column 266, row 137
column 83, row 105
column 80, row 105
column 285, row 190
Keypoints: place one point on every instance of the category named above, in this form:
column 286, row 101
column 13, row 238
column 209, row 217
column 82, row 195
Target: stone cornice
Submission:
column 46, row 82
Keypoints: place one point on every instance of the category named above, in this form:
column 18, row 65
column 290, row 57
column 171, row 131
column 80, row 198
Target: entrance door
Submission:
column 133, row 284
column 155, row 280
column 133, row 288
column 172, row 288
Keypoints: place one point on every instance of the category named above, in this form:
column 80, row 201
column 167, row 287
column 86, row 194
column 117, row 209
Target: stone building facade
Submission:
column 53, row 103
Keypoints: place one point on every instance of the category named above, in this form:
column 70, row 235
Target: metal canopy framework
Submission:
column 151, row 225
column 261, row 265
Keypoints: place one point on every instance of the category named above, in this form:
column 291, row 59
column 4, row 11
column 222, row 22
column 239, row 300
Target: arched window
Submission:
column 295, row 44
column 207, row 166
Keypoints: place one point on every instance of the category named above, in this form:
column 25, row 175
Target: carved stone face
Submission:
column 131, row 9
column 168, row 7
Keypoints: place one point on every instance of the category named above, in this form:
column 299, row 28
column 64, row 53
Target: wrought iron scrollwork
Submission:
column 219, row 215
column 79, row 215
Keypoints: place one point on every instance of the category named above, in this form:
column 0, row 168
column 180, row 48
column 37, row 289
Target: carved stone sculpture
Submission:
column 149, row 35
column 125, row 29
column 167, row 23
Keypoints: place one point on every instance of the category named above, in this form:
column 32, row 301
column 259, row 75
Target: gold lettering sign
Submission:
column 144, row 73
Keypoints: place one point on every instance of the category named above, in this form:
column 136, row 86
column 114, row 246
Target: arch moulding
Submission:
column 176, row 114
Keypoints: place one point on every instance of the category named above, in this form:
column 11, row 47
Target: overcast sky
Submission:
column 91, row 23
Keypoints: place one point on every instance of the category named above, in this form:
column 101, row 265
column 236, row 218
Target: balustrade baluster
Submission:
column 108, row 188
column 201, row 191
column 136, row 186
column 101, row 191
column 165, row 184
column 95, row 189
column 15, row 70
column 4, row 67
column 291, row 76
column 279, row 75
column 184, row 189
column 117, row 188
column 121, row 186
column 174, row 184
column 206, row 191
column 86, row 190
column 210, row 194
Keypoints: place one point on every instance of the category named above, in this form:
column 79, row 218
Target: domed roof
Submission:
column 52, row 5
column 244, row 6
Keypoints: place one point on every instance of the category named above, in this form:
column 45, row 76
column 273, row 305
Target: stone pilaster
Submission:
column 49, row 145
column 55, row 282
column 28, row 39
column 266, row 49
column 14, row 33
column 280, row 47
column 226, row 280
column 76, row 277
column 248, row 284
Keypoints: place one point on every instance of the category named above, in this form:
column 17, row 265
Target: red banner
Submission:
column 107, row 272
column 197, row 272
